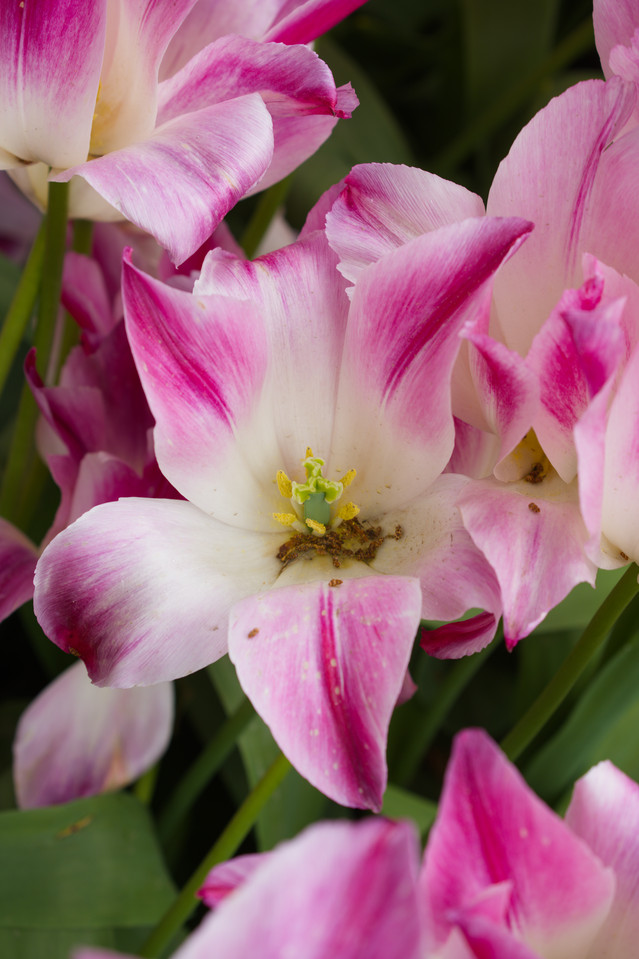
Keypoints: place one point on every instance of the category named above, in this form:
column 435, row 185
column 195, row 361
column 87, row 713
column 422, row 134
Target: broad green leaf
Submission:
column 84, row 872
column 602, row 725
column 402, row 804
column 9, row 276
column 578, row 608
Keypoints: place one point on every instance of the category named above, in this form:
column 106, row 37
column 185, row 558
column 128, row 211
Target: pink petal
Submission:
column 323, row 665
column 578, row 349
column 534, row 538
column 229, row 876
column 340, row 890
column 407, row 312
column 303, row 22
column 77, row 740
column 180, row 182
column 138, row 32
column 583, row 206
column 141, row 589
column 47, row 91
column 202, row 363
column 384, row 206
column 615, row 22
column 619, row 520
column 604, row 812
column 491, row 829
column 290, row 80
column 18, row 558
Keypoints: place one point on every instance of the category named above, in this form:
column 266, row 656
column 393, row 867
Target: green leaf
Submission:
column 602, row 725
column 578, row 608
column 86, row 872
column 402, row 804
column 9, row 276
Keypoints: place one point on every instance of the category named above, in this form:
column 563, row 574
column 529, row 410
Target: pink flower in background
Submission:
column 547, row 357
column 317, row 598
column 171, row 156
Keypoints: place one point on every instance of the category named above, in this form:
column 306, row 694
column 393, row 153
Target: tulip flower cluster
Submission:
column 291, row 500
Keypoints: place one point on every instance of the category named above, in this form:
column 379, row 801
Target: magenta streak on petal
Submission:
column 585, row 188
column 353, row 734
column 480, row 264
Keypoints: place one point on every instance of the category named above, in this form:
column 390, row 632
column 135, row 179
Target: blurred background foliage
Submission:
column 444, row 85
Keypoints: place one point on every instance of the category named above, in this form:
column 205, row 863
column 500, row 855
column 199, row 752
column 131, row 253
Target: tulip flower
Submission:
column 80, row 98
column 272, row 398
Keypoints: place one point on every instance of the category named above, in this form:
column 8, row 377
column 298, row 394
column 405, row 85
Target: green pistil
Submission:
column 317, row 492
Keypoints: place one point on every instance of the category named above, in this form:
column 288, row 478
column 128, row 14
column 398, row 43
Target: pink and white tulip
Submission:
column 264, row 360
column 171, row 156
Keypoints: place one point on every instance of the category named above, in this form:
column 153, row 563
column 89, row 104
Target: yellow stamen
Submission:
column 309, row 452
column 284, row 484
column 286, row 519
column 347, row 510
column 316, row 527
column 348, row 478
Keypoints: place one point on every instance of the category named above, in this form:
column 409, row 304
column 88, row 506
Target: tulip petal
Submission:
column 384, row 206
column 492, row 829
column 47, row 91
column 180, row 182
column 579, row 208
column 615, row 22
column 604, row 812
column 619, row 519
column 344, row 890
column 76, row 740
column 141, row 589
column 18, row 558
column 323, row 663
column 229, row 876
column 534, row 538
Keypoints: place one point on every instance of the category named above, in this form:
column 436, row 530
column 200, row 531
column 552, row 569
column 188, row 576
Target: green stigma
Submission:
column 317, row 493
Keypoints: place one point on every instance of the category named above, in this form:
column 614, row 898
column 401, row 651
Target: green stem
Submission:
column 56, row 233
column 458, row 678
column 267, row 207
column 22, row 305
column 592, row 638
column 513, row 98
column 225, row 847
column 203, row 770
column 145, row 785
column 82, row 241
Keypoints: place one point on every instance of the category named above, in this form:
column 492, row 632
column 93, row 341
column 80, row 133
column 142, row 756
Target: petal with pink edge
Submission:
column 615, row 22
column 583, row 206
column 344, row 890
column 138, row 33
column 229, row 876
column 181, row 181
column 401, row 343
column 303, row 22
column 290, row 80
column 202, row 362
column 428, row 540
column 47, row 91
column 323, row 663
column 492, row 829
column 604, row 812
column 384, row 206
column 141, row 589
column 534, row 538
column 18, row 558
column 77, row 740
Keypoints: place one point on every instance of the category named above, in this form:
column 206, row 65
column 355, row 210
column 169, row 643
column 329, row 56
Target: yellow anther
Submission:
column 348, row 510
column 348, row 478
column 286, row 519
column 316, row 527
column 284, row 484
column 309, row 452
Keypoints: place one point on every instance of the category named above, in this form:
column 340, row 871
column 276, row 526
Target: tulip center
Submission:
column 321, row 527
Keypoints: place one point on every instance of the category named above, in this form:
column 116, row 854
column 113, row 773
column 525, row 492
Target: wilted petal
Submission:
column 492, row 829
column 534, row 538
column 604, row 812
column 181, row 181
column 48, row 91
column 323, row 663
column 78, row 740
column 141, row 589
column 384, row 206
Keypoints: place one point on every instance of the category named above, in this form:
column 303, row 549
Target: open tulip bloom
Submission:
column 307, row 434
column 175, row 155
